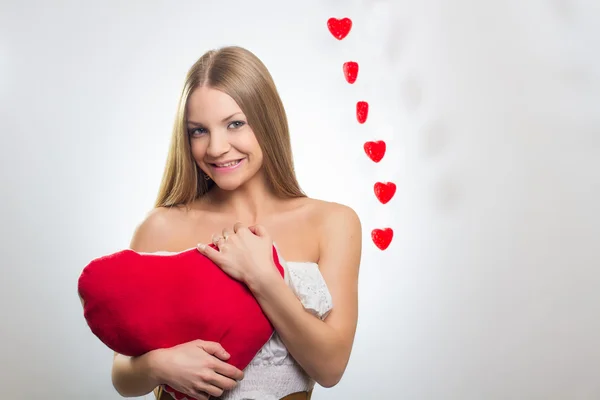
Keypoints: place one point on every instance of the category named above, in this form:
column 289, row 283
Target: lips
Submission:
column 226, row 166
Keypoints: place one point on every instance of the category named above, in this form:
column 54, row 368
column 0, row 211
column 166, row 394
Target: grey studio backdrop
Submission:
column 490, row 287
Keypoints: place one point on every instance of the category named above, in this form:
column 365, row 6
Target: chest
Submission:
column 297, row 239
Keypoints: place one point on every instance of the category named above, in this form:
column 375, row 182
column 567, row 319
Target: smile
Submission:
column 227, row 166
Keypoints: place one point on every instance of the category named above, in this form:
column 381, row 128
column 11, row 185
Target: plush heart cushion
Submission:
column 138, row 302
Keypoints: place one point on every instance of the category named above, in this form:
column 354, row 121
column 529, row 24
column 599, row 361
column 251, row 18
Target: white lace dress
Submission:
column 273, row 373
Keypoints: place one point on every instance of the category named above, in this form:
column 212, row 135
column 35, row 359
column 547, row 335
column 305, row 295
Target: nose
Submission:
column 217, row 145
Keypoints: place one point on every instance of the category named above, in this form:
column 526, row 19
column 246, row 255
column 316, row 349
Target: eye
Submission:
column 196, row 131
column 237, row 124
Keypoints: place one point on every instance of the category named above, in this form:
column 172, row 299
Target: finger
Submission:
column 221, row 381
column 215, row 349
column 204, row 389
column 226, row 233
column 259, row 230
column 215, row 238
column 228, row 370
column 201, row 396
column 210, row 252
column 238, row 226
column 218, row 241
column 194, row 395
column 221, row 243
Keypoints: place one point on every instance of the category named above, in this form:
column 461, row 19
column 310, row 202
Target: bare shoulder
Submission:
column 155, row 231
column 339, row 232
column 331, row 216
column 338, row 229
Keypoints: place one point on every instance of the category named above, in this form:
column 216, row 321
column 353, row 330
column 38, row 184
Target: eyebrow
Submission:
column 224, row 119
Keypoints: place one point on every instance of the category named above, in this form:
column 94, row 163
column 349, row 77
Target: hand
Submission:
column 197, row 369
column 245, row 254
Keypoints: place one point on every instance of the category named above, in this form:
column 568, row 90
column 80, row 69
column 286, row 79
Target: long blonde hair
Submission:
column 240, row 74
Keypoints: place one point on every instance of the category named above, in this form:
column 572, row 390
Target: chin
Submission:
column 229, row 184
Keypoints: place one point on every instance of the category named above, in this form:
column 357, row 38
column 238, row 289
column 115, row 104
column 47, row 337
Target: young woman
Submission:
column 230, row 180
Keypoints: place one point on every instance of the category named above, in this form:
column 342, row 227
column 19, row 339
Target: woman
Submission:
column 230, row 179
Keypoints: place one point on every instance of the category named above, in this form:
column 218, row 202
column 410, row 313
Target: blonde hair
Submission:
column 240, row 74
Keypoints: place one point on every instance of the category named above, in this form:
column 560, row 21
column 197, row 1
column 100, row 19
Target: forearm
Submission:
column 134, row 376
column 317, row 347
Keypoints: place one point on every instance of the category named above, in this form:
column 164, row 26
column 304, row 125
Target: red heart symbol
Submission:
column 385, row 191
column 362, row 111
column 375, row 150
column 382, row 237
column 351, row 71
column 339, row 28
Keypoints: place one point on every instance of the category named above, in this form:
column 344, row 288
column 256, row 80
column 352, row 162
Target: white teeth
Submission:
column 229, row 164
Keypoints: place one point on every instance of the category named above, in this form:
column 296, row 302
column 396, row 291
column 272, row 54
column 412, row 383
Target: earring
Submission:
column 206, row 177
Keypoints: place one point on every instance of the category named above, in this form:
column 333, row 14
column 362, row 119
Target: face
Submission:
column 222, row 143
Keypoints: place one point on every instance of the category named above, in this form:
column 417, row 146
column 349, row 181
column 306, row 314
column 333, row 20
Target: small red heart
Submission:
column 362, row 111
column 385, row 191
column 339, row 28
column 375, row 150
column 351, row 71
column 382, row 237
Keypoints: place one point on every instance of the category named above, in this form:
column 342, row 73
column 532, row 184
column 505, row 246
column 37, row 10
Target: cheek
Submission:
column 197, row 149
column 258, row 155
column 252, row 145
column 245, row 142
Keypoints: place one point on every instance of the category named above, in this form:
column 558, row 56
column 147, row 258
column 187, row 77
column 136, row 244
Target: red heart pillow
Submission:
column 138, row 302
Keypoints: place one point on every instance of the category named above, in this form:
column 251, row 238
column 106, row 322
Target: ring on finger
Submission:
column 220, row 242
column 216, row 238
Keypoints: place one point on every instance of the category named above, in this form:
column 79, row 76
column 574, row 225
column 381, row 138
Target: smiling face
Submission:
column 213, row 129
column 222, row 143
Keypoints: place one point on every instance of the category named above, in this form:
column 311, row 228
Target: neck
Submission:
column 249, row 203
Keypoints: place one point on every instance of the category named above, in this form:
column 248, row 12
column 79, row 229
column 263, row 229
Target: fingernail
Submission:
column 201, row 246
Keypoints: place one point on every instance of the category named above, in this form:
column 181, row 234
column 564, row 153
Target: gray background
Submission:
column 490, row 287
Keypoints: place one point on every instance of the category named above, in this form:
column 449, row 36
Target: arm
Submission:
column 132, row 376
column 322, row 348
column 197, row 368
column 135, row 376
